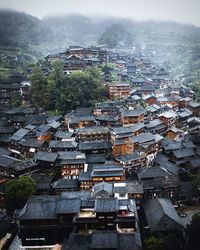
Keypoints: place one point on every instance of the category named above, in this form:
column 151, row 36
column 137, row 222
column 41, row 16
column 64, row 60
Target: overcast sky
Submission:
column 184, row 11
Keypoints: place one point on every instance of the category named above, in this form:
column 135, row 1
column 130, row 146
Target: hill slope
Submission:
column 175, row 45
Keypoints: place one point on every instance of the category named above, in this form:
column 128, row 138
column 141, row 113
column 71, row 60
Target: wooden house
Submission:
column 96, row 133
column 125, row 132
column 173, row 133
column 46, row 220
column 85, row 180
column 168, row 118
column 130, row 117
column 131, row 68
column 56, row 146
column 147, row 90
column 150, row 99
column 107, row 173
column 107, row 108
column 80, row 118
column 95, row 147
column 118, row 90
column 156, row 127
column 122, row 147
column 46, row 160
column 183, row 102
column 195, row 108
column 138, row 81
column 120, row 64
column 183, row 116
column 64, row 185
column 71, row 164
column 131, row 162
column 157, row 182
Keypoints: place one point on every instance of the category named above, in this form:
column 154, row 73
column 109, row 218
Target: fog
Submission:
column 182, row 11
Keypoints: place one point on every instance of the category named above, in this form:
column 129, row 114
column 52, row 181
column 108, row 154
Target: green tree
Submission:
column 81, row 88
column 39, row 88
column 196, row 89
column 196, row 184
column 18, row 191
column 57, row 72
column 143, row 103
column 16, row 99
column 106, row 67
column 164, row 241
column 154, row 243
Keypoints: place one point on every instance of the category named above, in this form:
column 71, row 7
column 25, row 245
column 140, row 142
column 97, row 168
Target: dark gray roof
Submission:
column 106, row 205
column 129, row 129
column 154, row 123
column 144, row 137
column 183, row 153
column 195, row 162
column 85, row 176
column 138, row 80
column 46, row 156
column 168, row 114
column 93, row 130
column 185, row 113
column 133, row 113
column 63, row 144
column 53, row 118
column 130, row 241
column 73, row 119
column 194, row 104
column 152, row 172
column 95, row 158
column 171, row 145
column 134, row 187
column 43, row 180
column 131, row 157
column 4, row 151
column 39, row 208
column 24, row 165
column 36, row 119
column 43, row 128
column 19, row 134
column 161, row 215
column 68, row 206
column 104, row 240
column 6, row 161
column 63, row 134
column 32, row 142
column 65, row 184
column 107, row 170
column 83, row 194
column 148, row 88
column 163, row 161
column 102, row 186
column 94, row 145
column 7, row 130
column 71, row 155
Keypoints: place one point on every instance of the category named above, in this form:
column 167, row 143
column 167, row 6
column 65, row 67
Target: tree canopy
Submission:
column 62, row 93
column 18, row 191
column 196, row 183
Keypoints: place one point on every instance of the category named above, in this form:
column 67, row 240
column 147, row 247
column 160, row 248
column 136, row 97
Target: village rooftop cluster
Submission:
column 96, row 168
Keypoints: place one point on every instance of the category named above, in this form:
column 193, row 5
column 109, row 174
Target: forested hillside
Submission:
column 175, row 45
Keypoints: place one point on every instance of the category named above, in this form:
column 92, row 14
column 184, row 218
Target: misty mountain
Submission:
column 170, row 43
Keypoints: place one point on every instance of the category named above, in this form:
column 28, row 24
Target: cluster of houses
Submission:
column 96, row 167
